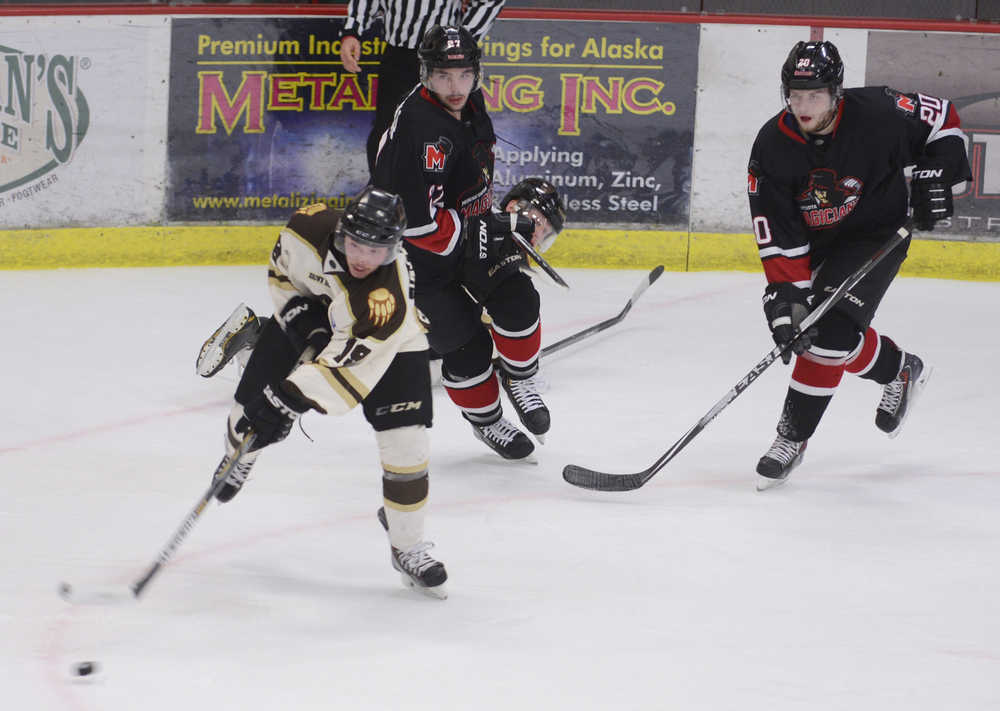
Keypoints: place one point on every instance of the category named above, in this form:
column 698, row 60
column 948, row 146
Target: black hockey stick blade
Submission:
column 526, row 245
column 602, row 481
column 607, row 323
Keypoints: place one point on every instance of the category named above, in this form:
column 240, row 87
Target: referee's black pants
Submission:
column 398, row 72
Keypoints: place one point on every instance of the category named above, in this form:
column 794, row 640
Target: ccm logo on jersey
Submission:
column 399, row 407
column 929, row 173
column 435, row 154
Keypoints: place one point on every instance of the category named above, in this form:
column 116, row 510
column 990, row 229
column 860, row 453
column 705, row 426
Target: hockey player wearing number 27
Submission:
column 438, row 156
column 827, row 190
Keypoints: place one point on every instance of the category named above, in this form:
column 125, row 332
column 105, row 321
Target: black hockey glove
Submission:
column 930, row 196
column 271, row 415
column 306, row 323
column 785, row 305
column 491, row 255
column 487, row 238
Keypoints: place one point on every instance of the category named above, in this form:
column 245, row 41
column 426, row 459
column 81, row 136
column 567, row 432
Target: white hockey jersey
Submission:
column 373, row 318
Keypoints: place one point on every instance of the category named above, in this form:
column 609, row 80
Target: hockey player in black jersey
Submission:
column 827, row 190
column 438, row 156
column 342, row 285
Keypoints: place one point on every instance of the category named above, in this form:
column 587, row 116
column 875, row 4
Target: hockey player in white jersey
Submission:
column 342, row 285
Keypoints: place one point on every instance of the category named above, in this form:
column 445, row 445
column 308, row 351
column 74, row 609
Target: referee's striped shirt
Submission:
column 406, row 20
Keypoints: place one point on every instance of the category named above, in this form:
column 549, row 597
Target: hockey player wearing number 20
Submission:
column 827, row 190
column 438, row 156
column 342, row 287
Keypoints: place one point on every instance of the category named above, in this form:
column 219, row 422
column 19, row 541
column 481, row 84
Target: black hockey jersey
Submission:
column 442, row 167
column 807, row 192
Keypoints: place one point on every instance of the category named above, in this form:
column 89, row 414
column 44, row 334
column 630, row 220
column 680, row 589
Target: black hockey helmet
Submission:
column 813, row 65
column 445, row 46
column 375, row 218
column 542, row 195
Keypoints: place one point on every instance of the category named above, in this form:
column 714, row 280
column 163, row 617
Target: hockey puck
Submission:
column 85, row 668
column 65, row 590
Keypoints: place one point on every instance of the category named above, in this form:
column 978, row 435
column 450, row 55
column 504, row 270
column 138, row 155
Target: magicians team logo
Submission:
column 828, row 199
column 45, row 115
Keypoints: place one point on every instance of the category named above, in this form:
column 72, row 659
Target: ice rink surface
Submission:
column 869, row 581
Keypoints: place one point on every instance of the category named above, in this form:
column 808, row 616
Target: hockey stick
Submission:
column 70, row 594
column 602, row 481
column 597, row 328
column 539, row 259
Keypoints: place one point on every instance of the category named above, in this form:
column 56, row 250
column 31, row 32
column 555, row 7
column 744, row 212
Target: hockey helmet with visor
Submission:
column 376, row 218
column 537, row 198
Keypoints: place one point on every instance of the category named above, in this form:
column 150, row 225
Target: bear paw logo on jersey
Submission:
column 381, row 306
column 435, row 154
column 827, row 200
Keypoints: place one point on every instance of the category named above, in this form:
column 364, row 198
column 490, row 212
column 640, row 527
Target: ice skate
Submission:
column 779, row 461
column 237, row 476
column 239, row 332
column 417, row 569
column 900, row 395
column 525, row 396
column 504, row 439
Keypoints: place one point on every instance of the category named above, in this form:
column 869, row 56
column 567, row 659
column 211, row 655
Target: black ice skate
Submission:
column 900, row 394
column 504, row 439
column 416, row 567
column 237, row 476
column 238, row 332
column 779, row 461
column 524, row 396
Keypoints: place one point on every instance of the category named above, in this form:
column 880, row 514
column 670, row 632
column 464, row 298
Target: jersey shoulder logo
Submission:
column 381, row 306
column 827, row 199
column 903, row 102
column 435, row 154
column 753, row 177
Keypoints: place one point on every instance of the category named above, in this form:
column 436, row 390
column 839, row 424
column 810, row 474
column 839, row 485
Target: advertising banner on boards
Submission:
column 961, row 68
column 605, row 111
column 263, row 118
column 81, row 130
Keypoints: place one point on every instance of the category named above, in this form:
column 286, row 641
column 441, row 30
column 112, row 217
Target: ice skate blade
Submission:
column 540, row 438
column 915, row 394
column 212, row 355
column 438, row 592
column 765, row 482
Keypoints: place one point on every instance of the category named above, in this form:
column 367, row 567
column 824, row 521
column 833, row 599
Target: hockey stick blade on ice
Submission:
column 539, row 259
column 100, row 597
column 68, row 593
column 608, row 323
column 602, row 481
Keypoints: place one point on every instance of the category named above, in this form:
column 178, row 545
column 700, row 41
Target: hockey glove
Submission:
column 930, row 196
column 785, row 305
column 306, row 323
column 488, row 236
column 271, row 415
